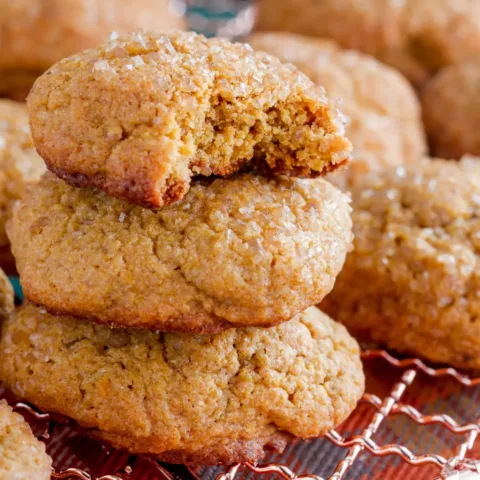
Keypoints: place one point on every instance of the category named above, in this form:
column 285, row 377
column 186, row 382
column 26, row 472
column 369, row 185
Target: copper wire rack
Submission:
column 351, row 452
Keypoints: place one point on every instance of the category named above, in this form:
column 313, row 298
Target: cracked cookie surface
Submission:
column 139, row 116
column 413, row 280
column 384, row 120
column 416, row 37
column 239, row 251
column 187, row 398
column 22, row 456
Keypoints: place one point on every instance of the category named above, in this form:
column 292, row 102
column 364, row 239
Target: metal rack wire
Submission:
column 381, row 407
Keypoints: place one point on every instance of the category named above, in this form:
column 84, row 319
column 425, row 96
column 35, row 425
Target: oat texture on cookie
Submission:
column 141, row 115
column 412, row 282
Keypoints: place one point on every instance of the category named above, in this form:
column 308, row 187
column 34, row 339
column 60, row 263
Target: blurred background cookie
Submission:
column 383, row 114
column 22, row 456
column 246, row 250
column 416, row 37
column 35, row 34
column 224, row 398
column 412, row 282
column 20, row 165
column 451, row 110
column 139, row 116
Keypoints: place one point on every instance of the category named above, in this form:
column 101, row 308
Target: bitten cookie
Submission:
column 451, row 109
column 35, row 34
column 19, row 166
column 22, row 456
column 413, row 280
column 240, row 251
column 139, row 116
column 187, row 398
column 384, row 120
column 416, row 37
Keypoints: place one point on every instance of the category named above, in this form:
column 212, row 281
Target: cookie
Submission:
column 234, row 252
column 451, row 109
column 384, row 115
column 7, row 300
column 139, row 116
column 412, row 282
column 416, row 37
column 35, row 34
column 187, row 398
column 19, row 166
column 22, row 456
column 291, row 47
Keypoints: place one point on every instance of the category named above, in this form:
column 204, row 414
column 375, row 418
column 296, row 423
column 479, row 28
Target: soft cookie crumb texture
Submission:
column 140, row 115
column 383, row 113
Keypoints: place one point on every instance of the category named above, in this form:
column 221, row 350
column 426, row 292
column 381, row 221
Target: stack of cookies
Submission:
column 174, row 205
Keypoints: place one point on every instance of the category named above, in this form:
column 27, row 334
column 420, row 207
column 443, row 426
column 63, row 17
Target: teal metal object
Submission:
column 225, row 18
column 16, row 287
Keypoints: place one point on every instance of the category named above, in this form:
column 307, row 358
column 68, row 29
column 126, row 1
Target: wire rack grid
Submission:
column 353, row 446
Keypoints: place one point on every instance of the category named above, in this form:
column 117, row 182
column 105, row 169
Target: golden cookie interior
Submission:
column 141, row 115
column 383, row 113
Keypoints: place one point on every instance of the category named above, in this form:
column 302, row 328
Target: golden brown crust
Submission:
column 139, row 116
column 240, row 251
column 206, row 399
column 416, row 37
column 384, row 118
column 451, row 110
column 37, row 33
column 413, row 280
column 22, row 456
